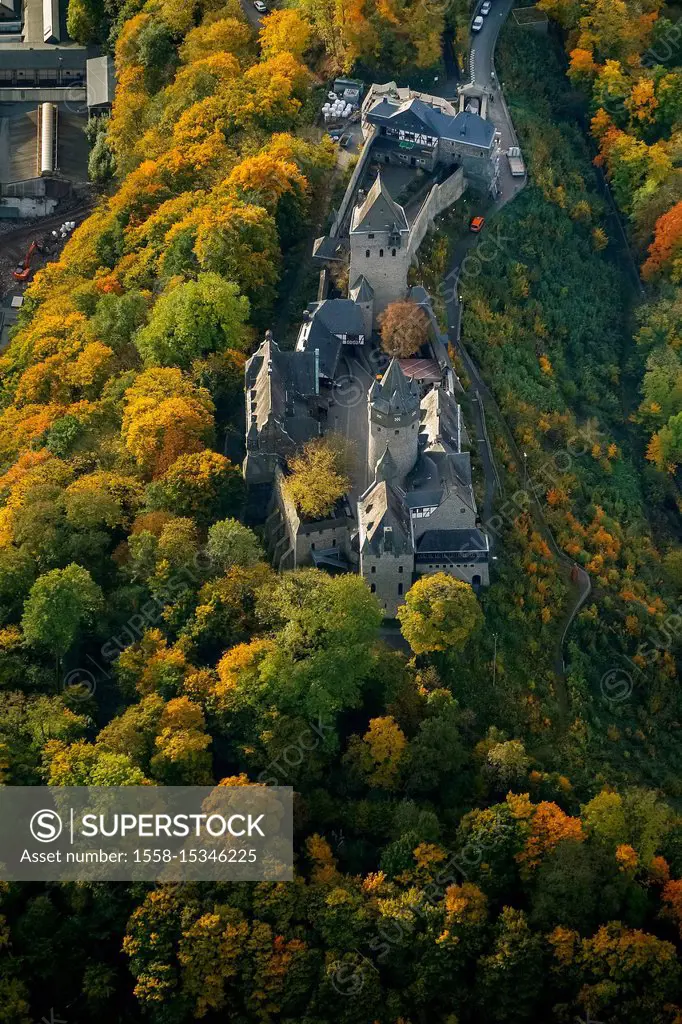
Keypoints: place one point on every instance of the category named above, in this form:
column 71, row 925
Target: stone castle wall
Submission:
column 389, row 582
column 438, row 200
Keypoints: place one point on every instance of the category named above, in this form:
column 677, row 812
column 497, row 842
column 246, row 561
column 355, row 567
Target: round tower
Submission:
column 393, row 410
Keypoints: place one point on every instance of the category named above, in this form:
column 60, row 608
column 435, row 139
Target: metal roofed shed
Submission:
column 349, row 89
column 51, row 26
column 100, row 82
column 424, row 371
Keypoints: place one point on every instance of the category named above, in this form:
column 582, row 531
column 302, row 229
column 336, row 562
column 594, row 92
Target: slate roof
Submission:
column 468, row 545
column 327, row 320
column 417, row 116
column 441, row 426
column 379, row 212
column 386, row 468
column 395, row 394
column 362, row 290
column 19, row 57
column 384, row 522
column 470, row 128
column 437, row 475
column 327, row 247
column 274, row 380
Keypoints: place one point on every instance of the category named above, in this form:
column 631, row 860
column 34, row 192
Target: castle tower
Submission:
column 363, row 294
column 379, row 246
column 393, row 410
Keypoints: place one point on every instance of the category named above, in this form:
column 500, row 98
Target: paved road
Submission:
column 252, row 16
column 482, row 69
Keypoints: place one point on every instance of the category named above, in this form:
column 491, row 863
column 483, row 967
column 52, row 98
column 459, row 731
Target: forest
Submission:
column 478, row 837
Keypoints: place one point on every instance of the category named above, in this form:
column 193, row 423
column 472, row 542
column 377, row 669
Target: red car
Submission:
column 477, row 224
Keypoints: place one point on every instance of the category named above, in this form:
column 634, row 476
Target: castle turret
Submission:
column 393, row 410
column 379, row 247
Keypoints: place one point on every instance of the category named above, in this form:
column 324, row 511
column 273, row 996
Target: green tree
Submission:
column 192, row 319
column 512, row 975
column 84, row 20
column 230, row 543
column 84, row 764
column 60, row 605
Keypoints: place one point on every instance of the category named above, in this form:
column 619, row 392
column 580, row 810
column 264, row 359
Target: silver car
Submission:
column 477, row 23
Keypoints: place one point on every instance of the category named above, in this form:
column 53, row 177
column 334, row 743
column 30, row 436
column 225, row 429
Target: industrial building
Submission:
column 48, row 87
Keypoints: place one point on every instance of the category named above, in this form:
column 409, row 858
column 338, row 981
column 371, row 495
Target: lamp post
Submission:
column 494, row 660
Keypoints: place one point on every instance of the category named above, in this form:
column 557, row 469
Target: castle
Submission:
column 411, row 509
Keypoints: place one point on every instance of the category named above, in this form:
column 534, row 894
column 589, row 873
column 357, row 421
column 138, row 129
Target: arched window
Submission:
column 393, row 252
column 381, row 252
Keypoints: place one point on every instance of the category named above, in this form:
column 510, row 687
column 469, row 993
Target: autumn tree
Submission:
column 404, row 329
column 665, row 447
column 165, row 416
column 440, row 613
column 379, row 752
column 317, row 478
column 182, row 757
column 285, row 30
column 664, row 251
column 203, row 485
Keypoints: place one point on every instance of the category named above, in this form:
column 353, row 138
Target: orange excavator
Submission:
column 23, row 271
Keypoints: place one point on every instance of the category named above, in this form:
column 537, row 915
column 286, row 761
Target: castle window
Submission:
column 367, row 253
column 396, row 432
column 373, row 588
column 400, row 568
column 371, row 235
column 393, row 252
column 462, row 510
column 334, row 543
column 373, row 569
column 400, row 589
column 381, row 252
column 312, row 546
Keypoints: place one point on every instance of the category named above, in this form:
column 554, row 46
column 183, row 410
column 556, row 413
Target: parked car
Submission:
column 477, row 224
column 485, row 7
column 260, row 6
column 477, row 23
